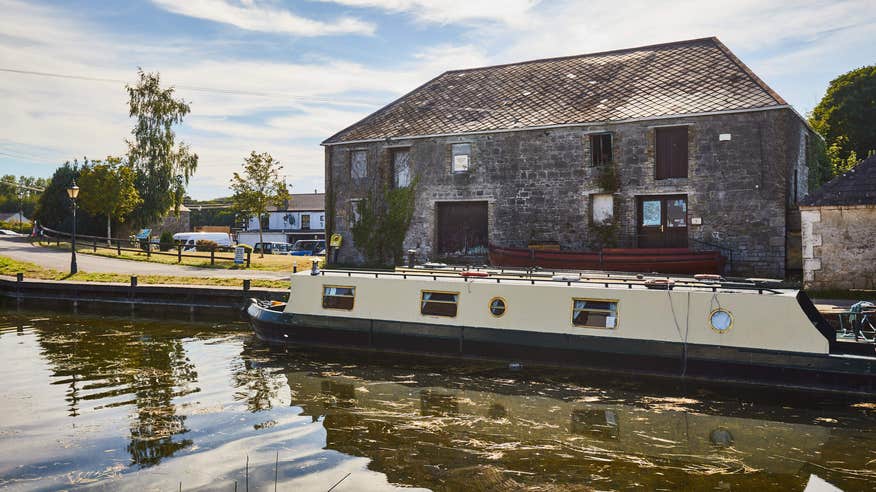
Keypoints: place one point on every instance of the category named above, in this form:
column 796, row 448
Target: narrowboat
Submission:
column 697, row 328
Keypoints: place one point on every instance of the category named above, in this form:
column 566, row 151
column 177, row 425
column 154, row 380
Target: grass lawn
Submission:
column 270, row 263
column 8, row 266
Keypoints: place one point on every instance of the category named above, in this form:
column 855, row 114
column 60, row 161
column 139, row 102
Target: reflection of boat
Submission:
column 663, row 260
column 701, row 329
column 425, row 435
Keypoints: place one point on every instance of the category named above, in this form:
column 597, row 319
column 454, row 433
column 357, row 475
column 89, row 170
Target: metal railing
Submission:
column 131, row 245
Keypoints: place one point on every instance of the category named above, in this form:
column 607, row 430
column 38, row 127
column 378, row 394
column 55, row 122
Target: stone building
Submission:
column 672, row 145
column 839, row 231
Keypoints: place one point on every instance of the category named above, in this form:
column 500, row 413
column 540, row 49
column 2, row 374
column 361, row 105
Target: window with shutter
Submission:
column 600, row 149
column 671, row 152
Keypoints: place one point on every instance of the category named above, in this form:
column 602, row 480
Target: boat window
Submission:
column 439, row 303
column 594, row 313
column 337, row 297
column 497, row 306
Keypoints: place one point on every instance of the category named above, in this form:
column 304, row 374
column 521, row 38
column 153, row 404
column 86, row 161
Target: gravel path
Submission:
column 22, row 250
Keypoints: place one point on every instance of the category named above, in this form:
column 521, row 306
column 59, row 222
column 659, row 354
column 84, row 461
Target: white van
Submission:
column 189, row 239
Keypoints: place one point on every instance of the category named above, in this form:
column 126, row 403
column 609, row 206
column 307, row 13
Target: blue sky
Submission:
column 280, row 76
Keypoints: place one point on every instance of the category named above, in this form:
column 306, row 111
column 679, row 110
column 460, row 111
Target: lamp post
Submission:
column 73, row 192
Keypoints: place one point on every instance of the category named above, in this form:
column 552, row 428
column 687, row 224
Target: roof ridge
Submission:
column 757, row 80
column 583, row 55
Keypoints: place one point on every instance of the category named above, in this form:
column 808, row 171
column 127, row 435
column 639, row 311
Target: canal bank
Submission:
column 182, row 302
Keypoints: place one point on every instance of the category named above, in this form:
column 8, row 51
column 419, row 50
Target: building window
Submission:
column 338, row 297
column 401, row 167
column 439, row 303
column 602, row 208
column 305, row 222
column 594, row 313
column 461, row 157
column 497, row 306
column 358, row 164
column 600, row 149
column 671, row 152
column 355, row 212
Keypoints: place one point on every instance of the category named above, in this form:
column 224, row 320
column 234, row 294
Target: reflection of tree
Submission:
column 254, row 383
column 138, row 366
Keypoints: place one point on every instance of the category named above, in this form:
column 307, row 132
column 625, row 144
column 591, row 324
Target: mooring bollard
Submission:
column 246, row 284
column 19, row 277
column 295, row 267
column 133, row 280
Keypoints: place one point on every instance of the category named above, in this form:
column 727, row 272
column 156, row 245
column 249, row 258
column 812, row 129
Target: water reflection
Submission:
column 118, row 404
column 126, row 366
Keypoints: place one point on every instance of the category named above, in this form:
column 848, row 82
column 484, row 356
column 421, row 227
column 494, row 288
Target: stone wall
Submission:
column 839, row 247
column 538, row 184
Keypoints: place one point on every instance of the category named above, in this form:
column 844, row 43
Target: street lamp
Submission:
column 73, row 192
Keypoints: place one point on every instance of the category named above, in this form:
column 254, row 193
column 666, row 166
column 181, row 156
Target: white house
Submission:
column 303, row 217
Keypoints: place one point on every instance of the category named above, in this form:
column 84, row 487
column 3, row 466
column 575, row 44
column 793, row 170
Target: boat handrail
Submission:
column 607, row 281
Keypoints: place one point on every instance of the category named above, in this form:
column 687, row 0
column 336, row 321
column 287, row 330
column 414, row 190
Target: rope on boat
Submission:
column 683, row 339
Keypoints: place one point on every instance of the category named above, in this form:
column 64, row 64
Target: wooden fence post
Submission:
column 94, row 245
column 212, row 256
column 119, row 248
column 179, row 253
column 148, row 249
column 248, row 256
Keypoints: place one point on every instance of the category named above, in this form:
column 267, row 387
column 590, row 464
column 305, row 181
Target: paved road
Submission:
column 22, row 250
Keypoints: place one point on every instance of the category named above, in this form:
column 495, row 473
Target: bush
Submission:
column 166, row 242
column 26, row 227
column 206, row 245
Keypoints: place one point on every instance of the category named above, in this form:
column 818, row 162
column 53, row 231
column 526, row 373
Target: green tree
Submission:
column 107, row 188
column 162, row 167
column 846, row 117
column 258, row 188
column 54, row 209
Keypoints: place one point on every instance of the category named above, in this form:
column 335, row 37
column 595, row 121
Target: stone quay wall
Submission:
column 839, row 251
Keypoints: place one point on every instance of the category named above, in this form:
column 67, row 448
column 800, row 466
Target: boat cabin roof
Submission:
column 565, row 278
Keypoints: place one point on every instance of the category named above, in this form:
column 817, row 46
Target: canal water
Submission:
column 121, row 404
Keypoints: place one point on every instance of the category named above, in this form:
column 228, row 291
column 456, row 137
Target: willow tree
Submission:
column 258, row 188
column 107, row 188
column 162, row 167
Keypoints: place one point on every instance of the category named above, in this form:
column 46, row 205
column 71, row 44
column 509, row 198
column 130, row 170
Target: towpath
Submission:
column 21, row 250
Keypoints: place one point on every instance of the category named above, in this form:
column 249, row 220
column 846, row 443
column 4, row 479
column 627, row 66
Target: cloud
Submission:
column 253, row 16
column 510, row 12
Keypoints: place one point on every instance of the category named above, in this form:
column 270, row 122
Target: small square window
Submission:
column 600, row 149
column 439, row 303
column 338, row 297
column 358, row 164
column 602, row 208
column 461, row 157
column 594, row 313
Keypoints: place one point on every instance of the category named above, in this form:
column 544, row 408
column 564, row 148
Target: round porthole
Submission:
column 497, row 306
column 721, row 320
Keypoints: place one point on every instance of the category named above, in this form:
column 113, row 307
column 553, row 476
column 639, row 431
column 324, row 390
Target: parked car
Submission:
column 272, row 248
column 189, row 239
column 308, row 247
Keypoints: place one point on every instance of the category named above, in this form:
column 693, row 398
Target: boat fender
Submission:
column 660, row 283
column 566, row 278
column 471, row 274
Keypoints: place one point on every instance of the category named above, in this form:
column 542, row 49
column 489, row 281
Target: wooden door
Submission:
column 662, row 221
column 462, row 228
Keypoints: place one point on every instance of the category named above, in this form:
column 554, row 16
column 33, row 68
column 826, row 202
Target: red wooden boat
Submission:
column 661, row 260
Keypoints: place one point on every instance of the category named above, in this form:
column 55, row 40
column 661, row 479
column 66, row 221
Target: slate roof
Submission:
column 856, row 187
column 303, row 202
column 684, row 77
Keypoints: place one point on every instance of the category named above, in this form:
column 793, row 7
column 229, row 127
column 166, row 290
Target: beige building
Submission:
column 838, row 223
